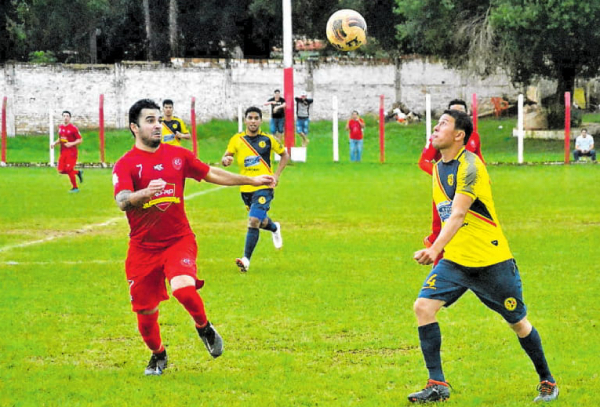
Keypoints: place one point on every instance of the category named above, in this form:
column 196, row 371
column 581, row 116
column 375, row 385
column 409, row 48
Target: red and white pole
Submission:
column 101, row 132
column 288, row 75
column 193, row 124
column 381, row 131
column 567, row 126
column 4, row 102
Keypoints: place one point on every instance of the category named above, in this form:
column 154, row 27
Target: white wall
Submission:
column 220, row 86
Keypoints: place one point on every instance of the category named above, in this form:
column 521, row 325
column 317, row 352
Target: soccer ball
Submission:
column 346, row 30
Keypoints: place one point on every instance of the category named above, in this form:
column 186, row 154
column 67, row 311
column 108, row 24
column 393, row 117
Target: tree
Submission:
column 555, row 39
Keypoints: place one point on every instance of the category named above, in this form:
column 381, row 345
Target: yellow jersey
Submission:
column 254, row 155
column 480, row 241
column 169, row 128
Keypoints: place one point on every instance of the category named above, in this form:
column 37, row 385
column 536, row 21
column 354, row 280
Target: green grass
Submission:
column 326, row 321
column 403, row 144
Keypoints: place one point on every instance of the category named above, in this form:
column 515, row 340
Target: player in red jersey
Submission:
column 149, row 181
column 430, row 155
column 69, row 138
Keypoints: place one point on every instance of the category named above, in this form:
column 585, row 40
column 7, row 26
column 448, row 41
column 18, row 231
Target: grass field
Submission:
column 325, row 321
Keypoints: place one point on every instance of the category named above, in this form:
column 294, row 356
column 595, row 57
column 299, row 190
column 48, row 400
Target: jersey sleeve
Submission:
column 232, row 146
column 195, row 168
column 467, row 178
column 184, row 129
column 76, row 133
column 276, row 145
column 122, row 178
column 429, row 154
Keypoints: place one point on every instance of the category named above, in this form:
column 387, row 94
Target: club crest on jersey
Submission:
column 510, row 304
column 177, row 163
column 444, row 210
column 251, row 161
column 262, row 144
column 163, row 199
column 451, row 179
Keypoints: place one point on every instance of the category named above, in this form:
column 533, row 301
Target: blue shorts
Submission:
column 498, row 286
column 258, row 202
column 277, row 124
column 302, row 125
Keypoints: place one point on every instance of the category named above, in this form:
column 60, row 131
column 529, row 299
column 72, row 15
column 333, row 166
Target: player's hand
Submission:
column 155, row 186
column 426, row 256
column 268, row 180
column 227, row 160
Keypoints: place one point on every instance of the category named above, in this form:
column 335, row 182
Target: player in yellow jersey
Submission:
column 253, row 150
column 173, row 128
column 477, row 258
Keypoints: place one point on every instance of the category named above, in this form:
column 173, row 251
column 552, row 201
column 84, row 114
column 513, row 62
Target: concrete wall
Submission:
column 219, row 86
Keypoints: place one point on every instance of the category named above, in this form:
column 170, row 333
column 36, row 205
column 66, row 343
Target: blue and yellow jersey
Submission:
column 480, row 241
column 169, row 128
column 253, row 155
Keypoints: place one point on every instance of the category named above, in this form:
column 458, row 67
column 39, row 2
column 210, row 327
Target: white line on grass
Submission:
column 87, row 228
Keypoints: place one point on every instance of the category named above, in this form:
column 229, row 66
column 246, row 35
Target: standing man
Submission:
column 303, row 116
column 69, row 138
column 430, row 155
column 173, row 128
column 584, row 146
column 477, row 258
column 277, row 114
column 355, row 127
column 253, row 150
column 149, row 181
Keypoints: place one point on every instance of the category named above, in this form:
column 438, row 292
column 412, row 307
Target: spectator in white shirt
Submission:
column 584, row 146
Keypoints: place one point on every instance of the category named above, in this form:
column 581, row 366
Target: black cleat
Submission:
column 548, row 391
column 212, row 340
column 80, row 176
column 433, row 391
column 158, row 363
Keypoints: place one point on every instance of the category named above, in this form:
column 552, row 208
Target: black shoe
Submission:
column 433, row 391
column 548, row 391
column 80, row 176
column 212, row 340
column 158, row 363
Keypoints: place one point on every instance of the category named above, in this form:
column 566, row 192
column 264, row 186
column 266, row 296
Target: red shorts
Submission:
column 147, row 269
column 66, row 163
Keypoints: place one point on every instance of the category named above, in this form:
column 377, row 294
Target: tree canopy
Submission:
column 555, row 39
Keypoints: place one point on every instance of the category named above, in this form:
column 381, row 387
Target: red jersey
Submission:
column 356, row 131
column 163, row 218
column 68, row 133
column 430, row 154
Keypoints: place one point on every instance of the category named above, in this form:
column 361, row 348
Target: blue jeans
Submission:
column 356, row 147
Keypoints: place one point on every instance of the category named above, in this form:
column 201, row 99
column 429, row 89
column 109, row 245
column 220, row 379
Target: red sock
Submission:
column 150, row 331
column 71, row 175
column 191, row 301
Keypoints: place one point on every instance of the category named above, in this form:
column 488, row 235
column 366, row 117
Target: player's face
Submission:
column 168, row 110
column 444, row 133
column 66, row 118
column 253, row 122
column 277, row 95
column 148, row 128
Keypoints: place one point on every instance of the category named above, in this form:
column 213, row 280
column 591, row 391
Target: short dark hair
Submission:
column 167, row 102
column 67, row 112
column 277, row 91
column 584, row 129
column 458, row 102
column 253, row 109
column 136, row 109
column 355, row 111
column 462, row 121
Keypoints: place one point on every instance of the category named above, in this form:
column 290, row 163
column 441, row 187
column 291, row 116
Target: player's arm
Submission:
column 127, row 199
column 222, row 177
column 74, row 143
column 285, row 158
column 460, row 207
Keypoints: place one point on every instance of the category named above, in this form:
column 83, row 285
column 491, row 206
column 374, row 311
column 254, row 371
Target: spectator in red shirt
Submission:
column 149, row 183
column 355, row 126
column 430, row 155
column 69, row 138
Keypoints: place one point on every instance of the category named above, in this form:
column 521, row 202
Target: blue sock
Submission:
column 532, row 344
column 270, row 226
column 251, row 240
column 430, row 337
